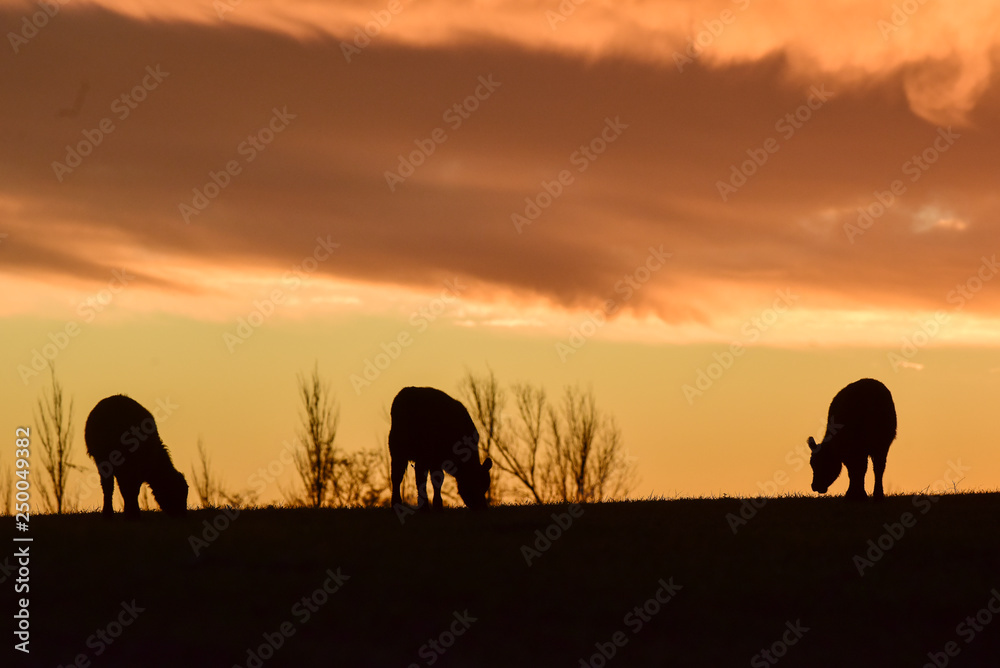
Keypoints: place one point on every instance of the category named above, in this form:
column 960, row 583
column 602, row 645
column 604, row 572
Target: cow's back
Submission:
column 111, row 427
column 427, row 424
column 864, row 415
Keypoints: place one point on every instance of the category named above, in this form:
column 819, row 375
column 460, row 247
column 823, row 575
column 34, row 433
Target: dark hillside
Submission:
column 456, row 588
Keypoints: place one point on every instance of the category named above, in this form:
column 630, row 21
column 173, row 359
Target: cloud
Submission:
column 943, row 51
column 931, row 218
column 324, row 175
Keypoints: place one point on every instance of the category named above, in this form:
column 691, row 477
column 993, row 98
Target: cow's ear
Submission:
column 812, row 444
column 488, row 464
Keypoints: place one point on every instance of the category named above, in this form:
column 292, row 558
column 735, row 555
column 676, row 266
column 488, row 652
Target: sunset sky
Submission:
column 201, row 200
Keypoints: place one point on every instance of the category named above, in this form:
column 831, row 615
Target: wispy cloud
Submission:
column 943, row 50
column 325, row 173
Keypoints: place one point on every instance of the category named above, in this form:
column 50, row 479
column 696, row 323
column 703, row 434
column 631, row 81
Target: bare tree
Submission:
column 486, row 400
column 206, row 483
column 56, row 437
column 316, row 455
column 384, row 463
column 570, row 452
column 209, row 488
column 519, row 452
column 588, row 462
column 555, row 472
column 6, row 492
column 294, row 497
column 359, row 480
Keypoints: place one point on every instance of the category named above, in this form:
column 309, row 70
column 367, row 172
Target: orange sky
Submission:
column 701, row 165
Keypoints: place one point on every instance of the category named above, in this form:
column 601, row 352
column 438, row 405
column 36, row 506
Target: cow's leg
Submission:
column 437, row 478
column 130, row 493
column 857, row 467
column 398, row 471
column 108, row 487
column 421, row 473
column 878, row 465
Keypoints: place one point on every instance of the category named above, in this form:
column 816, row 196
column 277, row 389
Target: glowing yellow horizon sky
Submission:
column 631, row 196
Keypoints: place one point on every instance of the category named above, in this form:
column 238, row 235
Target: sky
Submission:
column 713, row 214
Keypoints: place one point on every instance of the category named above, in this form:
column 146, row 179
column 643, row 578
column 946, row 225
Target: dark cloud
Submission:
column 324, row 174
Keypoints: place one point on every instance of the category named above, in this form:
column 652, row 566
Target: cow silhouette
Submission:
column 122, row 438
column 436, row 433
column 861, row 424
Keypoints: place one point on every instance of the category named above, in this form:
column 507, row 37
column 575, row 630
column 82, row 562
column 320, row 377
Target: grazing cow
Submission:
column 861, row 424
column 122, row 438
column 436, row 433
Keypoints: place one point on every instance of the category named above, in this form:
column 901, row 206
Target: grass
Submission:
column 793, row 561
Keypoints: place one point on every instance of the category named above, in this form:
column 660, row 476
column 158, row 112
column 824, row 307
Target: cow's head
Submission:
column 825, row 463
column 171, row 493
column 473, row 484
